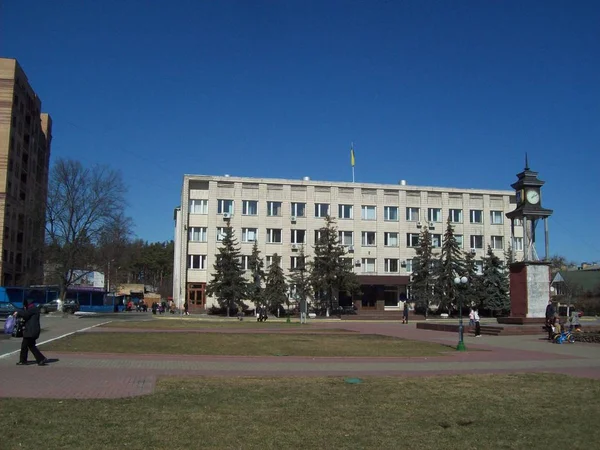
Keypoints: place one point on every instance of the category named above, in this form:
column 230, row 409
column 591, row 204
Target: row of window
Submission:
column 346, row 238
column 365, row 265
column 367, row 212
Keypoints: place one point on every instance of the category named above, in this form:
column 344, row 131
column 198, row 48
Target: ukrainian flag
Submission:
column 352, row 156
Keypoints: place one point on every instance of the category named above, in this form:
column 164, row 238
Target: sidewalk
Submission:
column 90, row 375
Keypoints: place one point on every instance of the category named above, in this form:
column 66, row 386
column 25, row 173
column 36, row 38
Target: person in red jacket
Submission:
column 31, row 332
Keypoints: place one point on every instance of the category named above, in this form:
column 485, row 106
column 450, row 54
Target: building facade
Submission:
column 379, row 224
column 25, row 137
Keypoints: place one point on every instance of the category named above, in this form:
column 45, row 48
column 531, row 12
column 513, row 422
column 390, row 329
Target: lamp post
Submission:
column 458, row 281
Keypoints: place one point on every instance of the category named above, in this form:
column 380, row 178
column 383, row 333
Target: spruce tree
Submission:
column 495, row 283
column 423, row 278
column 330, row 274
column 275, row 293
column 450, row 266
column 473, row 292
column 300, row 279
column 509, row 256
column 228, row 283
column 257, row 276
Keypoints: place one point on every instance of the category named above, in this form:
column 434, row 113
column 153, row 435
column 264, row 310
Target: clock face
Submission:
column 533, row 197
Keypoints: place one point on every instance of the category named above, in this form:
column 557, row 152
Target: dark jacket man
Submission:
column 31, row 314
column 31, row 332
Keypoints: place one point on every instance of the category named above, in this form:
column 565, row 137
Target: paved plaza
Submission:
column 97, row 375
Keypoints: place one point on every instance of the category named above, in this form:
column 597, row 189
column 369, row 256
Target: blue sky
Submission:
column 443, row 93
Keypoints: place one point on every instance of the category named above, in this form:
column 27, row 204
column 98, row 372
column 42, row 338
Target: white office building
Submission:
column 378, row 223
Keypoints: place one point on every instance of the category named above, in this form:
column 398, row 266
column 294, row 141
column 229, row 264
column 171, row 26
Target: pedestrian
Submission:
column 185, row 308
column 31, row 332
column 405, row 313
column 477, row 324
column 550, row 319
column 471, row 318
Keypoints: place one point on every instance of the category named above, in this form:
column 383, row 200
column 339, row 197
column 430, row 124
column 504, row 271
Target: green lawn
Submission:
column 170, row 324
column 458, row 412
column 246, row 344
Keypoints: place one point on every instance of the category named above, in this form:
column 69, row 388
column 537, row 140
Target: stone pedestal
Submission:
column 529, row 289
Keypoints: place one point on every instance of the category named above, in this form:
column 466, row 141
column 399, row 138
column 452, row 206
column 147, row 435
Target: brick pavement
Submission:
column 97, row 375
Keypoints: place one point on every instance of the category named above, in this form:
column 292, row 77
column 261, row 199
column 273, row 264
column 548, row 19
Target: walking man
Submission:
column 31, row 332
column 477, row 324
column 405, row 313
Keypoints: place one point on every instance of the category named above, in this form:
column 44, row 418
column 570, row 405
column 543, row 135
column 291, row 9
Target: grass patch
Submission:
column 186, row 324
column 245, row 344
column 458, row 412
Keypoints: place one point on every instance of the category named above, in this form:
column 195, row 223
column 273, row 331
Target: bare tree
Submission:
column 83, row 205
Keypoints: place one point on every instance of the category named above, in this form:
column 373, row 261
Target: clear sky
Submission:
column 442, row 93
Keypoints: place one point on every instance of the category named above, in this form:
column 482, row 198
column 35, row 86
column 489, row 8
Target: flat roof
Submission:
column 345, row 184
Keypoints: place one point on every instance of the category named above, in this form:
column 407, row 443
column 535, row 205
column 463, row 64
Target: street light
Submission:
column 461, row 344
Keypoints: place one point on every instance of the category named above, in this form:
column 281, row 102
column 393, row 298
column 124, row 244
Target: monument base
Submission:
column 529, row 289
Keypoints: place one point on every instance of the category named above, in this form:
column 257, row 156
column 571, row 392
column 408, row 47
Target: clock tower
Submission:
column 530, row 278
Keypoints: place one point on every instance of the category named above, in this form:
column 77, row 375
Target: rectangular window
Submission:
column 368, row 239
column 198, row 234
column 245, row 262
column 273, row 235
column 368, row 212
column 518, row 244
column 479, row 267
column 346, row 212
column 434, row 214
column 197, row 262
column 224, row 206
column 496, row 218
column 198, row 206
column 250, row 207
column 274, row 209
column 220, row 233
column 249, row 234
column 269, row 260
column 321, row 209
column 412, row 214
column 317, row 236
column 298, row 209
column 476, row 241
column 391, row 265
column 456, row 215
column 368, row 265
column 346, row 237
column 436, row 240
column 459, row 240
column 409, row 265
column 412, row 239
column 497, row 242
column 390, row 213
column 518, row 223
column 298, row 236
column 390, row 239
column 296, row 263
column 476, row 216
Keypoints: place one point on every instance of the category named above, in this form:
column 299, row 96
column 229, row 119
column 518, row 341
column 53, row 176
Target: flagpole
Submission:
column 352, row 155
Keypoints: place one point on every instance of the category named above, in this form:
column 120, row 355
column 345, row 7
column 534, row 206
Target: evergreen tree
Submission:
column 275, row 293
column 509, row 256
column 473, row 292
column 257, row 276
column 423, row 278
column 300, row 279
column 330, row 273
column 228, row 284
column 495, row 283
column 450, row 266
